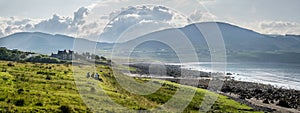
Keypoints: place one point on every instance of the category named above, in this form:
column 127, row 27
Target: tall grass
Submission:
column 35, row 87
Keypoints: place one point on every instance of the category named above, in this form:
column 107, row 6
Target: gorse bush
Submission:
column 20, row 102
column 48, row 77
column 45, row 73
column 66, row 109
column 39, row 104
column 22, row 57
column 10, row 64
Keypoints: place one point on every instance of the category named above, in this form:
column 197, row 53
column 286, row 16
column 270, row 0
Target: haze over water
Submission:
column 279, row 74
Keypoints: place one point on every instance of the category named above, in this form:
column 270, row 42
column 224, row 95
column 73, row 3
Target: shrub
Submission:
column 20, row 91
column 66, row 72
column 2, row 99
column 93, row 89
column 45, row 73
column 10, row 64
column 39, row 104
column 66, row 109
column 48, row 77
column 20, row 102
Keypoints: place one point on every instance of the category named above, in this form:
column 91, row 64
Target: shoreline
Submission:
column 241, row 76
column 245, row 96
column 265, row 97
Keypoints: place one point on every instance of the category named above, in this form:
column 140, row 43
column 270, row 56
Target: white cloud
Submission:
column 1, row 32
column 277, row 24
column 151, row 17
column 89, row 22
column 14, row 24
column 279, row 27
column 8, row 29
column 21, row 22
column 56, row 24
column 79, row 15
column 202, row 16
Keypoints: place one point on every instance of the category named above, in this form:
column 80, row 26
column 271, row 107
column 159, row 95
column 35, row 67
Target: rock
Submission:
column 229, row 74
column 283, row 103
column 266, row 101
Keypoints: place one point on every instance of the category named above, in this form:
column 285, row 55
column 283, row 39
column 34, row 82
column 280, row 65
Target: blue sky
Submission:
column 264, row 16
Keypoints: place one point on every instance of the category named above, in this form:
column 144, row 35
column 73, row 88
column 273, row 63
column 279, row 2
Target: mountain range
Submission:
column 46, row 43
column 241, row 44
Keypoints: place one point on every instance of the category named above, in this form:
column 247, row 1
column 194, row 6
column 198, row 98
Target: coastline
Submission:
column 265, row 97
column 243, row 93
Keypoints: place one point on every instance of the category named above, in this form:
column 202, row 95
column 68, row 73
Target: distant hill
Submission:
column 241, row 44
column 235, row 38
column 46, row 43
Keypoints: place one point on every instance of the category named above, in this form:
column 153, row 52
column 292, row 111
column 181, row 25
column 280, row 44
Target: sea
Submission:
column 284, row 75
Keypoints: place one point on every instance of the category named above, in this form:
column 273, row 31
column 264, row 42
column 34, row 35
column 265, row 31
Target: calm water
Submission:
column 278, row 74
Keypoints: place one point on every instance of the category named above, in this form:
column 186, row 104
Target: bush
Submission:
column 20, row 91
column 43, row 59
column 45, row 73
column 10, row 64
column 48, row 77
column 39, row 104
column 20, row 102
column 93, row 89
column 2, row 99
column 66, row 109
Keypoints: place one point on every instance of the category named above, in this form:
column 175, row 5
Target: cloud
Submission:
column 63, row 25
column 201, row 16
column 279, row 27
column 152, row 17
column 8, row 29
column 79, row 16
column 1, row 32
column 22, row 22
column 14, row 24
column 89, row 22
column 56, row 24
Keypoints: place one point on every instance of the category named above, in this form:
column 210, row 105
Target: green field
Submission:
column 35, row 87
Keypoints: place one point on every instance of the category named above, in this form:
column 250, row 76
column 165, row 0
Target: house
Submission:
column 64, row 55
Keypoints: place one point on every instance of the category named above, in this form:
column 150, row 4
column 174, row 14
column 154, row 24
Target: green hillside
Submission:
column 35, row 87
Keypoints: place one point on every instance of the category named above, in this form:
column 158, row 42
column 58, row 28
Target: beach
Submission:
column 260, row 96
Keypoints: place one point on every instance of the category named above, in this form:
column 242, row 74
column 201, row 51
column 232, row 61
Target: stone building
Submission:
column 64, row 55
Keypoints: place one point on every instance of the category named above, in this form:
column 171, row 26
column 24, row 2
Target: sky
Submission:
column 89, row 18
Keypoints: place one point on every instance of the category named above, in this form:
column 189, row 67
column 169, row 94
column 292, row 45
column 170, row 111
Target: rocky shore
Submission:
column 267, row 98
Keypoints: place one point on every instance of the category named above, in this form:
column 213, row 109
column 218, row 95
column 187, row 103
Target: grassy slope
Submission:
column 23, row 90
column 26, row 91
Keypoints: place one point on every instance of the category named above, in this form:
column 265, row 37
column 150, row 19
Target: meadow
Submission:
column 40, row 87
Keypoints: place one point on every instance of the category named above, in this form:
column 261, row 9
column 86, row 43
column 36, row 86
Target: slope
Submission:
column 46, row 43
column 27, row 87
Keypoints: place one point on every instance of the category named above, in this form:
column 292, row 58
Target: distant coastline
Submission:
column 266, row 95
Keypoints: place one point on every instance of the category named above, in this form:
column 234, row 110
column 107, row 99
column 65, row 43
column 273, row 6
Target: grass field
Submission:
column 28, row 87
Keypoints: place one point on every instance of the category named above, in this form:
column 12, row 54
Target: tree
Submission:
column 103, row 58
column 97, row 57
